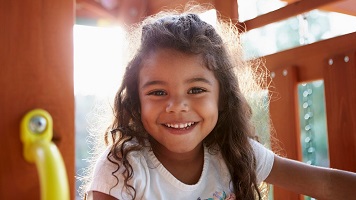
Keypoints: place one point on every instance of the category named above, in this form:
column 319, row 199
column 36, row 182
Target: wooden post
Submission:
column 285, row 121
column 36, row 63
column 340, row 98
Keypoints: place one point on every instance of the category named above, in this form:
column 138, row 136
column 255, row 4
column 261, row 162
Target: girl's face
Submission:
column 179, row 100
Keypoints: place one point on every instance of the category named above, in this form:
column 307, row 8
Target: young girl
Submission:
column 182, row 127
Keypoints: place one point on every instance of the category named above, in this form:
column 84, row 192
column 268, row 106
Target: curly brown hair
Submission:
column 187, row 33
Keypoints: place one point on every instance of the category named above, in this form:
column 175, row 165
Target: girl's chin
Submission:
column 183, row 149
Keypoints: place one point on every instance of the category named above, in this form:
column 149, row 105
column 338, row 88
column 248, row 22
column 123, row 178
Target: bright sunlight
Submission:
column 98, row 60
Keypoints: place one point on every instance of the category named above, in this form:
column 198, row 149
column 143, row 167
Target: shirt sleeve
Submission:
column 103, row 179
column 264, row 160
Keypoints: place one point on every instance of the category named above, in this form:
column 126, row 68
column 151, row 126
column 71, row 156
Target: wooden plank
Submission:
column 227, row 9
column 131, row 11
column 123, row 12
column 36, row 63
column 126, row 12
column 94, row 10
column 310, row 58
column 285, row 12
column 154, row 6
column 285, row 120
column 346, row 7
column 340, row 98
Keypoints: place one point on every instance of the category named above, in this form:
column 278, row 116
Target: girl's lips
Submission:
column 179, row 125
column 180, row 128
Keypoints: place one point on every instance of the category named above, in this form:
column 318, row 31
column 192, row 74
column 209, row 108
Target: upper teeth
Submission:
column 181, row 125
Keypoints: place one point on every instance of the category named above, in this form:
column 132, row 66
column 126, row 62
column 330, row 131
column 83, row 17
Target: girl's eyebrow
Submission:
column 149, row 83
column 191, row 80
column 199, row 79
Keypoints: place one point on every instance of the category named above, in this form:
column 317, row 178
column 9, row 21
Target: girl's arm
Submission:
column 317, row 182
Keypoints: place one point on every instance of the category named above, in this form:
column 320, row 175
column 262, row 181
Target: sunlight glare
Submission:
column 98, row 60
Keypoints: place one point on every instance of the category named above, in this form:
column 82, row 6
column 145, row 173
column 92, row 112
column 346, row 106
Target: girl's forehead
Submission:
column 170, row 64
column 165, row 58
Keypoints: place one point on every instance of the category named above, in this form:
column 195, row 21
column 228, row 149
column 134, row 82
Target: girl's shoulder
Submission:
column 108, row 174
column 107, row 159
column 264, row 160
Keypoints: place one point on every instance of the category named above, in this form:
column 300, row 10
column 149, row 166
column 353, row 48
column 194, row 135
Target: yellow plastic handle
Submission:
column 36, row 134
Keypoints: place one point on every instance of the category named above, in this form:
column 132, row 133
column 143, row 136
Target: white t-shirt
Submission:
column 152, row 180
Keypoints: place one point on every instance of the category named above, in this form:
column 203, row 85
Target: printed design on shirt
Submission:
column 220, row 196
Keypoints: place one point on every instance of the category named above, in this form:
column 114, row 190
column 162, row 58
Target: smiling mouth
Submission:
column 180, row 125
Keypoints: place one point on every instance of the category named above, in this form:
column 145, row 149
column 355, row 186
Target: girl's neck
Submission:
column 186, row 167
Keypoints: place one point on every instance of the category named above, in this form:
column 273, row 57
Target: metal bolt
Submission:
column 346, row 59
column 307, row 128
column 311, row 150
column 307, row 140
column 331, row 62
column 38, row 124
column 285, row 72
column 310, row 91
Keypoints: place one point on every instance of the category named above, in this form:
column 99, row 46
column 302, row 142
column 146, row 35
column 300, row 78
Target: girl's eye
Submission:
column 196, row 91
column 157, row 93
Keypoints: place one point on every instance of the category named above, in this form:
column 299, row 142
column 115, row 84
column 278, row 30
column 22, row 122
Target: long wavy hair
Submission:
column 218, row 44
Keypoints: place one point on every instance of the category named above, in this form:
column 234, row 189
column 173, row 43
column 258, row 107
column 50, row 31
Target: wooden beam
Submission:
column 310, row 58
column 126, row 12
column 154, row 6
column 285, row 12
column 346, row 7
column 227, row 9
column 94, row 10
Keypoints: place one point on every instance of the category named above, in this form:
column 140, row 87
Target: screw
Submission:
column 38, row 124
column 346, row 59
column 331, row 61
column 285, row 72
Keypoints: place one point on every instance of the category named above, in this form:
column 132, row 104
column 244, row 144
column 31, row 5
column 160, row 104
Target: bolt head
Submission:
column 38, row 124
column 331, row 62
column 346, row 59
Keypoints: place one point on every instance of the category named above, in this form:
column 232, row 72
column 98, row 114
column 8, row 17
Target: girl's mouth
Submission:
column 180, row 125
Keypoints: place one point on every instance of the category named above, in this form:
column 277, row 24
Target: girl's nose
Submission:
column 177, row 105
